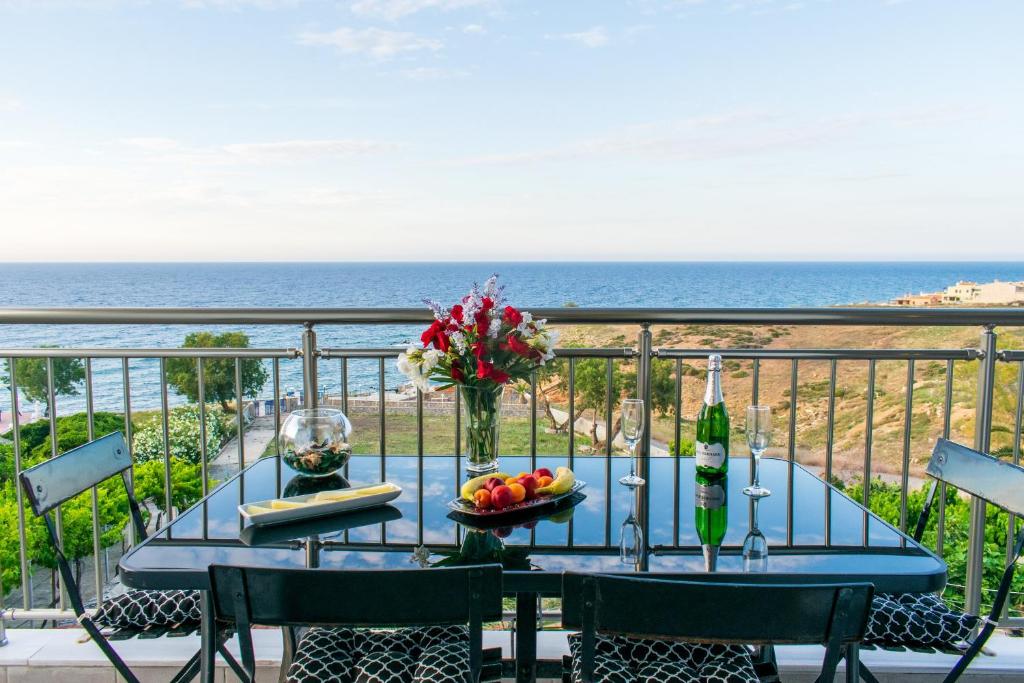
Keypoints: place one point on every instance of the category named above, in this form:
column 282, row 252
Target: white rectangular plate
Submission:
column 315, row 509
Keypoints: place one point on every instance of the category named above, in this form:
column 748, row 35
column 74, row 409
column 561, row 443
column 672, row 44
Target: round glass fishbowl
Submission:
column 315, row 442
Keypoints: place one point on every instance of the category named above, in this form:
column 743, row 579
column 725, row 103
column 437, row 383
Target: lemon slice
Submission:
column 339, row 496
column 285, row 505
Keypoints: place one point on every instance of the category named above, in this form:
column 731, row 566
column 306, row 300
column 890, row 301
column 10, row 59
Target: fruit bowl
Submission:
column 463, row 506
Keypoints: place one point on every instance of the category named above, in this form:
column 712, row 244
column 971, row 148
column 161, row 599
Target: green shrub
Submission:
column 183, row 435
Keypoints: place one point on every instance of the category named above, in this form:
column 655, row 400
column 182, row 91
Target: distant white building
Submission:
column 988, row 293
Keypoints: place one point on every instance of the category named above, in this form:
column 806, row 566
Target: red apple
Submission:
column 492, row 482
column 529, row 483
column 543, row 472
column 501, row 497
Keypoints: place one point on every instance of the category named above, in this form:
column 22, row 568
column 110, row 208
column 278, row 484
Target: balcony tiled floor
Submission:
column 57, row 656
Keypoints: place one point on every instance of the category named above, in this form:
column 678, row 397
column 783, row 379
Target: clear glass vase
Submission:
column 481, row 415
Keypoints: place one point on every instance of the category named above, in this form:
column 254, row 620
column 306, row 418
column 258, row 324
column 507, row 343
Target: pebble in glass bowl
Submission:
column 315, row 441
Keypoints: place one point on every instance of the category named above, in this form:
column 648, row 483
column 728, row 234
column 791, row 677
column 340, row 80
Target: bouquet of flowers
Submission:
column 479, row 341
column 480, row 345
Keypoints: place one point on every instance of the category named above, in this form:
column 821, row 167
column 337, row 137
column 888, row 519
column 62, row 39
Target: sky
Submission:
column 511, row 130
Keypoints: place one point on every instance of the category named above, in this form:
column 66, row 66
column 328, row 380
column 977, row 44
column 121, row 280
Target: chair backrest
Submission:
column 393, row 597
column 981, row 475
column 758, row 613
column 60, row 479
column 388, row 597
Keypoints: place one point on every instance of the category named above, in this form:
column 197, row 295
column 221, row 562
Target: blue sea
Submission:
column 712, row 284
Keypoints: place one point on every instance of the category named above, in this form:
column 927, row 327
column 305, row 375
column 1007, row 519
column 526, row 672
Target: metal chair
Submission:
column 60, row 479
column 997, row 482
column 714, row 613
column 246, row 596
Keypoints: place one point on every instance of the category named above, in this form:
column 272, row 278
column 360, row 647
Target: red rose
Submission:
column 456, row 313
column 457, row 374
column 479, row 349
column 485, row 370
column 518, row 346
column 512, row 316
column 435, row 335
column 486, row 304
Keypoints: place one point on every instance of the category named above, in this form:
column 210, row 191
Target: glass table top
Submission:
column 813, row 532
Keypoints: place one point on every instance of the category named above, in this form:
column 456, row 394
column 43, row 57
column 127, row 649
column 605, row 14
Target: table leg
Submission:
column 853, row 663
column 208, row 640
column 526, row 637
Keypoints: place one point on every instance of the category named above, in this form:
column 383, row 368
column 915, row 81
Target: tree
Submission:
column 663, row 386
column 591, row 384
column 68, row 373
column 219, row 374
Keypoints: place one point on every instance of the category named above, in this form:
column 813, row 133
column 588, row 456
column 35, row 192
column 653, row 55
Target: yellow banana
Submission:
column 477, row 483
column 563, row 482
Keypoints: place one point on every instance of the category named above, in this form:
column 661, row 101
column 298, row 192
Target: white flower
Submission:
column 544, row 341
column 494, row 327
column 430, row 360
column 458, row 340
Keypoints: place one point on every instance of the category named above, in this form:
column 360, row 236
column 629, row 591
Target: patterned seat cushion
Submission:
column 408, row 655
column 140, row 609
column 917, row 620
column 634, row 660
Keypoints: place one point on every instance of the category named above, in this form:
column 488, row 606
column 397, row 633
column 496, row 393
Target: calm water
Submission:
column 405, row 284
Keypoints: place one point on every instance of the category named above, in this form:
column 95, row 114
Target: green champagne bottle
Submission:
column 712, row 444
column 711, row 513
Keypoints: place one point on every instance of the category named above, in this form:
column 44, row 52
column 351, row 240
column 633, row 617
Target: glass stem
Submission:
column 757, row 469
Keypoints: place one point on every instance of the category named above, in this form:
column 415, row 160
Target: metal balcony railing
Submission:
column 317, row 361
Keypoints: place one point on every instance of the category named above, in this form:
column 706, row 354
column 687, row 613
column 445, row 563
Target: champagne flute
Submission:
column 755, row 545
column 759, row 436
column 632, row 429
column 631, row 541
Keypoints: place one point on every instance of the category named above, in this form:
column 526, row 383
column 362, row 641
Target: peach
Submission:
column 544, row 481
column 501, row 497
column 543, row 472
column 518, row 492
column 529, row 482
column 492, row 482
column 482, row 498
column 511, row 480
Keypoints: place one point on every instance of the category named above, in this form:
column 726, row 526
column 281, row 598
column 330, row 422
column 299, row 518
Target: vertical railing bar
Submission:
column 869, row 432
column 829, row 447
column 533, row 420
column 126, row 388
column 572, row 410
column 419, row 466
column 609, row 374
column 239, row 413
column 343, row 369
column 643, row 493
column 982, row 442
column 166, row 432
column 382, row 426
column 1011, row 528
column 905, row 474
column 947, row 414
column 201, row 396
column 792, row 409
column 26, row 584
column 275, row 365
column 755, row 383
column 51, row 398
column 678, row 407
column 90, row 427
column 458, row 447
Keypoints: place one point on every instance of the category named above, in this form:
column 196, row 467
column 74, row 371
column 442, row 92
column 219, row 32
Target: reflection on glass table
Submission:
column 755, row 545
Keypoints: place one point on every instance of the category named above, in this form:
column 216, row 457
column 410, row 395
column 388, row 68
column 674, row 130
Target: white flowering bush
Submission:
column 183, row 435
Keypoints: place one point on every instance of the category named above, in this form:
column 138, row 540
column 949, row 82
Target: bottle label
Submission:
column 710, row 454
column 709, row 497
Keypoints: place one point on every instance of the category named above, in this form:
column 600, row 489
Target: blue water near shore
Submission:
column 717, row 284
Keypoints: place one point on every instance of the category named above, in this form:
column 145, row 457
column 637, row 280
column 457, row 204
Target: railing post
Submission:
column 982, row 440
column 643, row 390
column 309, row 351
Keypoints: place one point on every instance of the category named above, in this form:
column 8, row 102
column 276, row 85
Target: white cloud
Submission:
column 152, row 144
column 474, row 29
column 393, row 10
column 304, row 149
column 428, row 73
column 10, row 104
column 376, row 42
column 596, row 36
